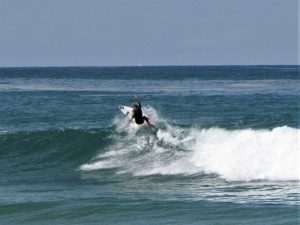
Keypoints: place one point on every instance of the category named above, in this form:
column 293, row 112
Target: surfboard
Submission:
column 128, row 112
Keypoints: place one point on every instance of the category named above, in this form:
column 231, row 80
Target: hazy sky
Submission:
column 115, row 33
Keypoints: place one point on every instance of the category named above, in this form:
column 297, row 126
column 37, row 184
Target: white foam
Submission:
column 239, row 155
column 248, row 154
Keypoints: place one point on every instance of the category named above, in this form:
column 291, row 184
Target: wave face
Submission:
column 53, row 155
column 234, row 155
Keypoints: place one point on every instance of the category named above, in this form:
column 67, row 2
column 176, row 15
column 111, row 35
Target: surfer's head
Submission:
column 135, row 106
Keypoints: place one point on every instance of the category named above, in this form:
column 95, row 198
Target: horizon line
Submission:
column 111, row 66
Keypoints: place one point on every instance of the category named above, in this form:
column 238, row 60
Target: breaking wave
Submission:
column 234, row 155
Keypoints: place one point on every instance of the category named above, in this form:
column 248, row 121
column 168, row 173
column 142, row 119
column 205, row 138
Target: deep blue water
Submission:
column 225, row 151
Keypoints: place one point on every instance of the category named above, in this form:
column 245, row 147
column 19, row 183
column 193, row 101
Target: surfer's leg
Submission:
column 146, row 118
column 148, row 122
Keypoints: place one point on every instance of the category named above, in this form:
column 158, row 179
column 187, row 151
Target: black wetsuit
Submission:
column 138, row 115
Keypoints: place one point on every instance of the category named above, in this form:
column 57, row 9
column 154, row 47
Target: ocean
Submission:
column 225, row 151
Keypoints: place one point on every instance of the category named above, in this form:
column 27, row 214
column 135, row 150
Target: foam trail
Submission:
column 98, row 165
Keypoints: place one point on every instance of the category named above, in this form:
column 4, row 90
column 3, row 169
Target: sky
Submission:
column 157, row 32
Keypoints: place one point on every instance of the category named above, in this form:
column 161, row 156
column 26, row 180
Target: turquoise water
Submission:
column 226, row 150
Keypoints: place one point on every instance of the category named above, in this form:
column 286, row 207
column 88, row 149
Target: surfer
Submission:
column 138, row 114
